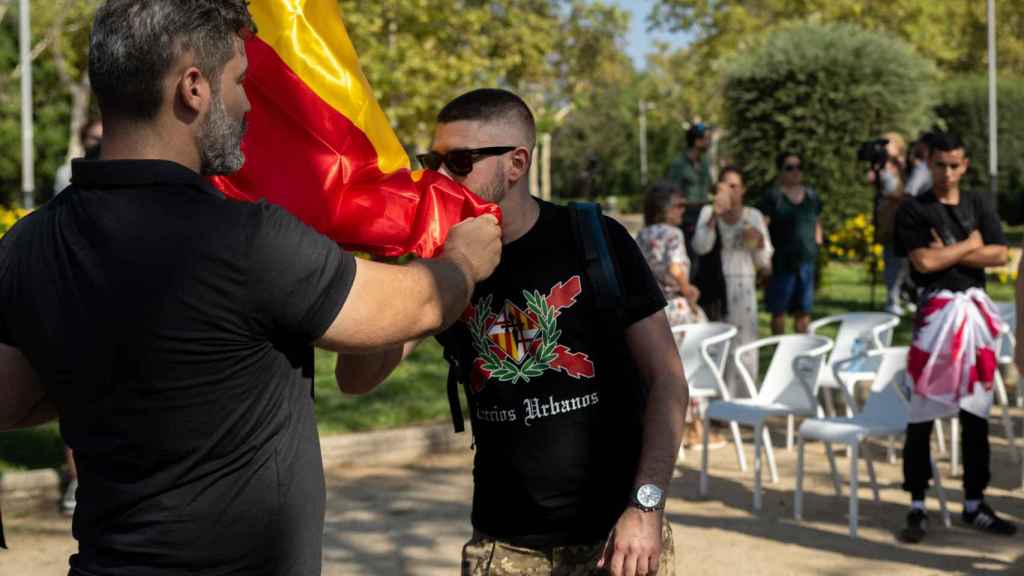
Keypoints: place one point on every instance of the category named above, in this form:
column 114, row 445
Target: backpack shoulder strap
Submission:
column 599, row 265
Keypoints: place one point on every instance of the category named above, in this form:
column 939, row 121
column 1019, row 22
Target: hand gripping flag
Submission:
column 319, row 145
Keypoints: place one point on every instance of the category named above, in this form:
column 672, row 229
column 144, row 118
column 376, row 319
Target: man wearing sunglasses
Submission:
column 577, row 415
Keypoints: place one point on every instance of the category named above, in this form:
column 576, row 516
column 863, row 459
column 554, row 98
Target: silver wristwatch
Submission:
column 648, row 498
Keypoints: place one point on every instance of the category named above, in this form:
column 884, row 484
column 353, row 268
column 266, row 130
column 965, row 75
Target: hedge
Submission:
column 823, row 89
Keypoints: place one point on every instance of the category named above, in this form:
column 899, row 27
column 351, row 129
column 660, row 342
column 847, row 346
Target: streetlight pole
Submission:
column 993, row 117
column 643, row 143
column 28, row 183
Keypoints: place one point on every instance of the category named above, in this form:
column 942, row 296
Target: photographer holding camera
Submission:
column 886, row 157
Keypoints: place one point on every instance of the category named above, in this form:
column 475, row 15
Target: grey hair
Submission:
column 135, row 43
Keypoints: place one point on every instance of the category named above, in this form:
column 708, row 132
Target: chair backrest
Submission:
column 854, row 327
column 796, row 357
column 1007, row 340
column 703, row 351
column 887, row 403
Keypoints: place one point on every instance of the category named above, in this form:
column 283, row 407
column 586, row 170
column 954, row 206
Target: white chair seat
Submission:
column 845, row 430
column 749, row 411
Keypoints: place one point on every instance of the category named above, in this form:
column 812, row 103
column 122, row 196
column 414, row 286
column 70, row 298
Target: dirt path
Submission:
column 412, row 520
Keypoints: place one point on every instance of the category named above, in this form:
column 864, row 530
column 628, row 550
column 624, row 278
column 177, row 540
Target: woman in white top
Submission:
column 746, row 251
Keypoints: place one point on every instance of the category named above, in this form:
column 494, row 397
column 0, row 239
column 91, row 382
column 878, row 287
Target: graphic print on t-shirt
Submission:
column 516, row 345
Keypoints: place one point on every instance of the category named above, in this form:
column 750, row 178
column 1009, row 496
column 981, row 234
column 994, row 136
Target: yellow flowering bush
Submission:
column 8, row 216
column 854, row 241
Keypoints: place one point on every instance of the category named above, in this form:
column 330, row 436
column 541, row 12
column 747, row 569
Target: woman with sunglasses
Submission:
column 793, row 213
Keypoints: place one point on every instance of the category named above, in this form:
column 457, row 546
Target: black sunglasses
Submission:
column 791, row 167
column 460, row 162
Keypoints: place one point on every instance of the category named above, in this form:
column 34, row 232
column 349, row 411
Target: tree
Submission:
column 823, row 90
column 61, row 94
column 953, row 34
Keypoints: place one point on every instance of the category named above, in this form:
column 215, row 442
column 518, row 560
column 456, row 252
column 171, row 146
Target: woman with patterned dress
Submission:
column 661, row 241
column 746, row 251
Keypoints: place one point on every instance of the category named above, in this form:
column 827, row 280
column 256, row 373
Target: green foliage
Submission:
column 823, row 90
column 953, row 34
column 963, row 109
column 60, row 39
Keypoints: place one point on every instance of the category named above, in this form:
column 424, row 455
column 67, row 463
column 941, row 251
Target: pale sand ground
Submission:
column 413, row 520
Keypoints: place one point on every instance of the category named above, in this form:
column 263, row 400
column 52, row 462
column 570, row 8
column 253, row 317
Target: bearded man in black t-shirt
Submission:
column 577, row 415
column 171, row 329
column 950, row 236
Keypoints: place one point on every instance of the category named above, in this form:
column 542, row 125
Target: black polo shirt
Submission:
column 172, row 327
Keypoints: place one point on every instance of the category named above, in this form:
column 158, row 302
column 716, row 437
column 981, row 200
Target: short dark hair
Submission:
column 657, row 199
column 135, row 43
column 945, row 142
column 489, row 105
column 730, row 169
column 698, row 130
column 780, row 160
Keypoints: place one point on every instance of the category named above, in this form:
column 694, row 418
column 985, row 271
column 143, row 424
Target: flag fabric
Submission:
column 952, row 359
column 319, row 144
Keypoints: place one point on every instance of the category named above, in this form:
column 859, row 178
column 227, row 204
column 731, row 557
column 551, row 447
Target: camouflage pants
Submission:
column 483, row 556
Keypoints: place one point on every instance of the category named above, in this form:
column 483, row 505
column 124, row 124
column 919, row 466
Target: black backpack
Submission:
column 602, row 274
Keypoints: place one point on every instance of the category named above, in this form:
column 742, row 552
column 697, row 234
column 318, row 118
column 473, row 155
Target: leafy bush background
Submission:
column 963, row 108
column 823, row 90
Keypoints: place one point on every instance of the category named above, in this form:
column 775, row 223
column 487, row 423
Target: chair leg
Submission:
column 770, row 452
column 872, row 476
column 832, row 466
column 940, row 437
column 757, row 467
column 937, row 480
column 892, row 450
column 854, row 486
column 798, row 498
column 704, row 458
column 1007, row 422
column 830, row 405
column 790, row 432
column 954, row 447
column 738, row 442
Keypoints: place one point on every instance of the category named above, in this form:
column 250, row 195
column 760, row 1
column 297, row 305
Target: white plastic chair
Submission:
column 1007, row 346
column 885, row 414
column 789, row 388
column 857, row 333
column 704, row 350
column 1004, row 356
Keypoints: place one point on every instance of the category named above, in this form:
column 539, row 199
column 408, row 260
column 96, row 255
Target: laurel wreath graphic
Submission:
column 503, row 369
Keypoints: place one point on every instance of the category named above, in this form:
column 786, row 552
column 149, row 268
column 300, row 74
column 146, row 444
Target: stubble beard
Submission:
column 220, row 142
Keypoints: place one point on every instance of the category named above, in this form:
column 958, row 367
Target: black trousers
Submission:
column 974, row 448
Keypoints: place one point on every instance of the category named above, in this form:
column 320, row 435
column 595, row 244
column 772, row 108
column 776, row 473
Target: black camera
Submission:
column 875, row 152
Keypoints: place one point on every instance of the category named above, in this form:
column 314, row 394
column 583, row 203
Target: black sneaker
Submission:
column 985, row 519
column 917, row 527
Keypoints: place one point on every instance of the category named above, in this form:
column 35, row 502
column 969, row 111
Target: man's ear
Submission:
column 519, row 164
column 193, row 90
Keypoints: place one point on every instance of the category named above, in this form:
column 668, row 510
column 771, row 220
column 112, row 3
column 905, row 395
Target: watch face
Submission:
column 648, row 495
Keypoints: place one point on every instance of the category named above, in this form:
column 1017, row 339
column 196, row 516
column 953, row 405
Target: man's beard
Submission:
column 495, row 191
column 220, row 142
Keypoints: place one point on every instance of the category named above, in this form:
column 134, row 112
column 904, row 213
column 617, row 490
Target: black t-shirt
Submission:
column 918, row 216
column 555, row 399
column 172, row 328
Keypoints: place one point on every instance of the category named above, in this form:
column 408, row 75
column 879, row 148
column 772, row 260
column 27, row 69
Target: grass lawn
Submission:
column 415, row 393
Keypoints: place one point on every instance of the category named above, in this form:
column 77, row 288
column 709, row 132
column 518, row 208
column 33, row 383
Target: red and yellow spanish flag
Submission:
column 319, row 145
